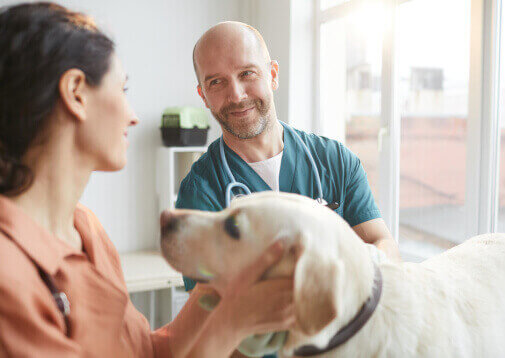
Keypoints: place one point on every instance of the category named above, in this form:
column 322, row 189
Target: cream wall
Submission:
column 154, row 41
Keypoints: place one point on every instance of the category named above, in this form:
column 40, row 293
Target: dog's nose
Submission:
column 168, row 222
column 165, row 217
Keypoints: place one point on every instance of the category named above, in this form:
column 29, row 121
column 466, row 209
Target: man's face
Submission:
column 236, row 84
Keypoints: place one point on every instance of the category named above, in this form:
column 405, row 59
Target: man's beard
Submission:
column 237, row 127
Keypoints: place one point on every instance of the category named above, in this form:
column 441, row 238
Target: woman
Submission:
column 63, row 115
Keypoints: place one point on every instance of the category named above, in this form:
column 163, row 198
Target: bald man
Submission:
column 236, row 81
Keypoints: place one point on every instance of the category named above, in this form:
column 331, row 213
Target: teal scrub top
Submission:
column 343, row 178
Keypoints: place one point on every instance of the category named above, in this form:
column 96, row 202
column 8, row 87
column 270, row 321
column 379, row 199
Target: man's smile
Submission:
column 243, row 113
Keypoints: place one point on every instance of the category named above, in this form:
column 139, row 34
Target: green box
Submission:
column 184, row 126
column 185, row 117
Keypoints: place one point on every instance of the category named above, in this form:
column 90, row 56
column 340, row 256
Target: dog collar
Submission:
column 353, row 327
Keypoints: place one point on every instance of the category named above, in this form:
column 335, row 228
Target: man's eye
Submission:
column 231, row 227
column 246, row 73
column 214, row 82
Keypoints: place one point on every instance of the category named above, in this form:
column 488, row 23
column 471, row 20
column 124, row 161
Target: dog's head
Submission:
column 204, row 246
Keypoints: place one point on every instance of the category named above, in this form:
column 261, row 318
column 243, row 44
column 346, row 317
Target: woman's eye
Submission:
column 125, row 89
column 231, row 227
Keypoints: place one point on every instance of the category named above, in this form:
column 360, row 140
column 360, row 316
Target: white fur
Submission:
column 452, row 305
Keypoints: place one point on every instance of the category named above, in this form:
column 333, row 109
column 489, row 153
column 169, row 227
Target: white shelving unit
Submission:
column 147, row 271
column 172, row 165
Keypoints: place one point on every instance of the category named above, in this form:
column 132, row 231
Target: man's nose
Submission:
column 237, row 92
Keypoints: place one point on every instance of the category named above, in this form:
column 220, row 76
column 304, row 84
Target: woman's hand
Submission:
column 247, row 306
column 250, row 306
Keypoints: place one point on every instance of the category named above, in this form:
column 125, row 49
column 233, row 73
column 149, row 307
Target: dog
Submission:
column 451, row 305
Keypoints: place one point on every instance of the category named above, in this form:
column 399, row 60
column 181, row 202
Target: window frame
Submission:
column 482, row 145
column 483, row 126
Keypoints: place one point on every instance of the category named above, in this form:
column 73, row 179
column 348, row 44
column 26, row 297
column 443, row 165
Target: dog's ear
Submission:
column 317, row 290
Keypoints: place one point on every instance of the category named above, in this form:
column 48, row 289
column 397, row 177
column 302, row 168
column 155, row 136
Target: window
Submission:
column 501, row 128
column 428, row 70
column 434, row 48
column 350, row 84
column 325, row 4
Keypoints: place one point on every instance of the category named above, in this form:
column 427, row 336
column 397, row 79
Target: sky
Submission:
column 431, row 33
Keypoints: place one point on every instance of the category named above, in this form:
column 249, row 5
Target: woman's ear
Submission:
column 72, row 88
column 317, row 291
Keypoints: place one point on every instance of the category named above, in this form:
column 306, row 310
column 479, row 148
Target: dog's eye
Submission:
column 231, row 227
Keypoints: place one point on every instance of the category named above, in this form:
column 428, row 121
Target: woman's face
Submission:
column 103, row 135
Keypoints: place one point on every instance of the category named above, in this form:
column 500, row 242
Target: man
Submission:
column 236, row 80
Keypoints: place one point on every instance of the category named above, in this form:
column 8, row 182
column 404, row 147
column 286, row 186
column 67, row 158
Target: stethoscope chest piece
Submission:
column 333, row 206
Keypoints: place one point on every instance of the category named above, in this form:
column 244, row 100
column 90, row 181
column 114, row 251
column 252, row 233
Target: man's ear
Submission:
column 274, row 72
column 317, row 291
column 72, row 86
column 200, row 93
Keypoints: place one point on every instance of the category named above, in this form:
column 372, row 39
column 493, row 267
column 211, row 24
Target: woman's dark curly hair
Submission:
column 38, row 43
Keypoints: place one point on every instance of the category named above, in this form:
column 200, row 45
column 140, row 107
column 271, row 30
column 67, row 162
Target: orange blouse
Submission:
column 102, row 321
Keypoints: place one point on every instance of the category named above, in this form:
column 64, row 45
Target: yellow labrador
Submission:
column 452, row 305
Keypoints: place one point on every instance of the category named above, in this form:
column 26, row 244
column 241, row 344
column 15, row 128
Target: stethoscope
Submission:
column 235, row 184
column 60, row 298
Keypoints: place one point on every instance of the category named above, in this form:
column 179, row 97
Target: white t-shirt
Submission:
column 269, row 170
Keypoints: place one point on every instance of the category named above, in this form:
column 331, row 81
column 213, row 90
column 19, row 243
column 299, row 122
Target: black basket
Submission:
column 184, row 137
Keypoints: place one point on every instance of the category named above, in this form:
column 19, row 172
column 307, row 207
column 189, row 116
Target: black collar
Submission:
column 350, row 329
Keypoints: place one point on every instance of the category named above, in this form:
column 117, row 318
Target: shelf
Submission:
column 172, row 165
column 148, row 271
column 184, row 149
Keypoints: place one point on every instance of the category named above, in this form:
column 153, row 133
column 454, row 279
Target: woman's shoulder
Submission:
column 16, row 268
column 85, row 217
column 90, row 215
column 87, row 220
column 91, row 229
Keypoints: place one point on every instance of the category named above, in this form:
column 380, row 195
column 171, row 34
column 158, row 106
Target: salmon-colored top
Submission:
column 102, row 321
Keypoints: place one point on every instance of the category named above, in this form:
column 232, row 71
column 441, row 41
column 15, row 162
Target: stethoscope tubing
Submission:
column 235, row 184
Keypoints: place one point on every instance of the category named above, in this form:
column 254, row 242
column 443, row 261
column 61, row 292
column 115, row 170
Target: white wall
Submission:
column 272, row 20
column 154, row 40
column 287, row 27
column 301, row 70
